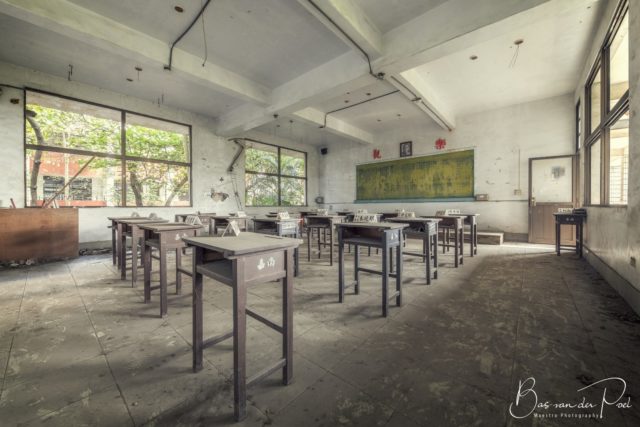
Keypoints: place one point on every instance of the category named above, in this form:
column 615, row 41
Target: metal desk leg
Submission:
column 178, row 274
column 287, row 323
column 385, row 280
column 197, row 310
column 426, row 243
column 356, row 269
column 239, row 339
column 456, row 249
column 340, row 270
column 309, row 237
column 399, row 270
column 114, row 245
column 435, row 255
column 461, row 244
column 319, row 244
column 146, row 263
column 123, row 251
column 331, row 246
column 557, row 238
column 163, row 281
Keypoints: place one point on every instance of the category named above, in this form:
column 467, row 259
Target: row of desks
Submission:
column 253, row 258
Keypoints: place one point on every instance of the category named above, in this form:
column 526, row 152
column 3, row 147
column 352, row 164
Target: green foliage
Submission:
column 262, row 189
column 147, row 183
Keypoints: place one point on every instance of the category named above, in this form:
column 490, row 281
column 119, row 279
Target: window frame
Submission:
column 608, row 116
column 122, row 156
column 279, row 176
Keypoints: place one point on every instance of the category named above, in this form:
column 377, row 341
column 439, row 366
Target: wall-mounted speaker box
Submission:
column 324, row 151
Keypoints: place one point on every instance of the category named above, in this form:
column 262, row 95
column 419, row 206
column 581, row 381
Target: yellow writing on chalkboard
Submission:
column 447, row 175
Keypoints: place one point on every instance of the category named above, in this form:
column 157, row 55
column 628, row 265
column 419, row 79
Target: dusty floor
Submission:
column 79, row 347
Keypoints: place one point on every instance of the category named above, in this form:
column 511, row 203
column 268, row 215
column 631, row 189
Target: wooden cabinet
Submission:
column 38, row 234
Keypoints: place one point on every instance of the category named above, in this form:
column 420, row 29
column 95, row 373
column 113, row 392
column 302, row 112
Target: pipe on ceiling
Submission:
column 184, row 33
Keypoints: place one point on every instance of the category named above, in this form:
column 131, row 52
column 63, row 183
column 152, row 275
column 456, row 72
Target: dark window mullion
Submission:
column 123, row 162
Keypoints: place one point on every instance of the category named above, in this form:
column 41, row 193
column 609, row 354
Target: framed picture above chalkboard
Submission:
column 406, row 149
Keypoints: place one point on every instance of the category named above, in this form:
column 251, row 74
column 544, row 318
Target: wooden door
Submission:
column 551, row 187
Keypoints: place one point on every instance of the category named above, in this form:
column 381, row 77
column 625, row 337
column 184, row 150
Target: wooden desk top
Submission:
column 122, row 218
column 168, row 226
column 414, row 220
column 327, row 216
column 383, row 225
column 245, row 243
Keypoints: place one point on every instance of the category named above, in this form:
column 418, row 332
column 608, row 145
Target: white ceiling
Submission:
column 268, row 41
column 36, row 48
column 388, row 14
column 374, row 115
column 295, row 130
column 549, row 63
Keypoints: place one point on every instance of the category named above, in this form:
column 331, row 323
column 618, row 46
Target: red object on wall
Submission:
column 376, row 154
column 441, row 143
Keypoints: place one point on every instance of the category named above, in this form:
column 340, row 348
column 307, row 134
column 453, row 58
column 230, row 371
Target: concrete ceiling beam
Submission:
column 333, row 125
column 73, row 21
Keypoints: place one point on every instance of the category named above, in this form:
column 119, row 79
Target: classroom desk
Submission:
column 115, row 239
column 282, row 228
column 387, row 215
column 164, row 237
column 242, row 261
column 425, row 229
column 325, row 223
column 570, row 219
column 382, row 235
column 132, row 228
column 221, row 221
column 453, row 223
column 471, row 220
column 207, row 219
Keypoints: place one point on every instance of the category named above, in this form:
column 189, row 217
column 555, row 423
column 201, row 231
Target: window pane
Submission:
column 261, row 190
column 619, row 67
column 157, row 184
column 47, row 172
column 292, row 163
column 619, row 161
column 157, row 139
column 261, row 158
column 293, row 191
column 595, row 93
column 594, row 168
column 65, row 123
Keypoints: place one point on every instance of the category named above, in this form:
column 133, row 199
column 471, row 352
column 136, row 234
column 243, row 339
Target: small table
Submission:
column 382, row 235
column 471, row 220
column 164, row 237
column 326, row 224
column 207, row 219
column 571, row 219
column 132, row 227
column 239, row 262
column 115, row 239
column 280, row 227
column 453, row 223
column 425, row 229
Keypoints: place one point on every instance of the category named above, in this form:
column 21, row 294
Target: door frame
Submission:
column 574, row 182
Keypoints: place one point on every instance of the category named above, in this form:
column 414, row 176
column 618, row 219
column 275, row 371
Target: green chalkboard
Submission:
column 440, row 176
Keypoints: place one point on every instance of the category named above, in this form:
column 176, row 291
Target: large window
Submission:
column 90, row 155
column 274, row 176
column 607, row 117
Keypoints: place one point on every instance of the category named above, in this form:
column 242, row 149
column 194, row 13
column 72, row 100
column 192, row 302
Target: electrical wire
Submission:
column 204, row 38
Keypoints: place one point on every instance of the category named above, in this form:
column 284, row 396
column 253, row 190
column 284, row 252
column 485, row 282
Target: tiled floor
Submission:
column 79, row 347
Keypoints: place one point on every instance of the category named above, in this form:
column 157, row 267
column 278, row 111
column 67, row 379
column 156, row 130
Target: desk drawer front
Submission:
column 174, row 238
column 264, row 265
column 393, row 237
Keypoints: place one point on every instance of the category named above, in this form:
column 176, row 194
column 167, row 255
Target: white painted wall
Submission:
column 536, row 129
column 211, row 154
column 613, row 233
